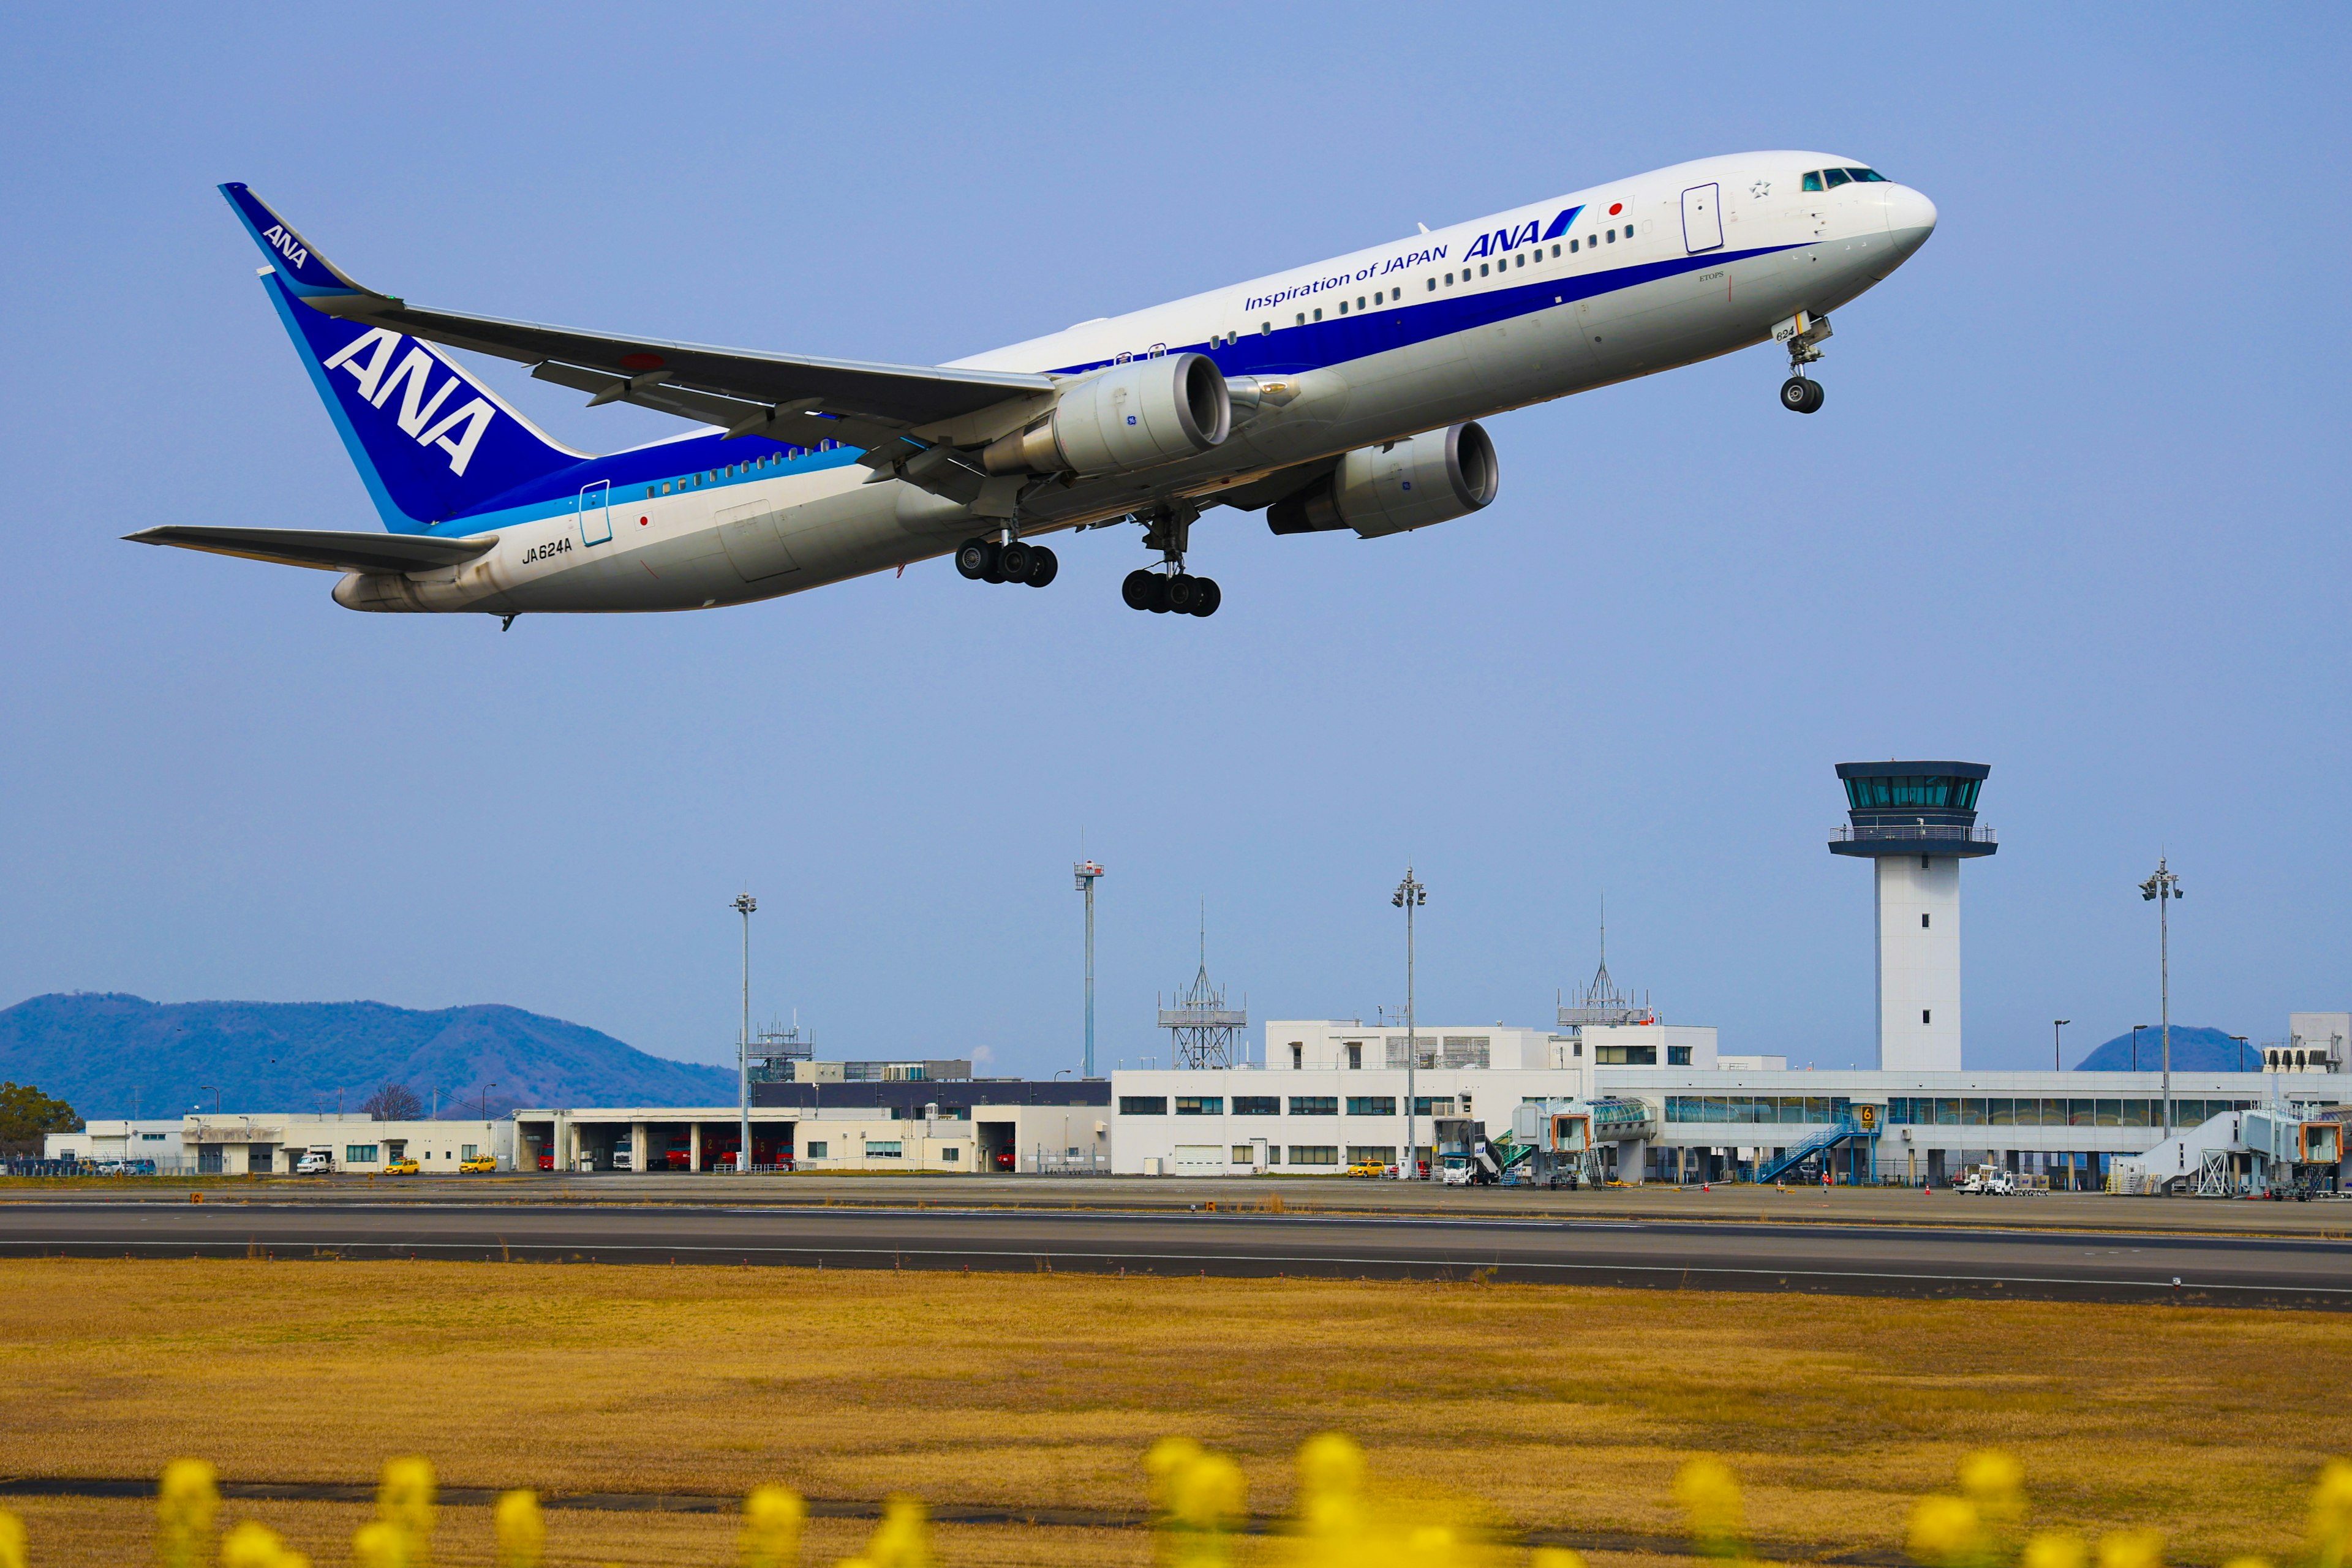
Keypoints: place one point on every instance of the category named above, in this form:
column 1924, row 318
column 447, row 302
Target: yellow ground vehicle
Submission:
column 401, row 1168
column 478, row 1163
column 1368, row 1168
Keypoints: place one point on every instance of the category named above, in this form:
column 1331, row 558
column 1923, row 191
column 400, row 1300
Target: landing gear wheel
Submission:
column 1182, row 594
column 1799, row 396
column 1209, row 597
column 1013, row 562
column 1042, row 566
column 1141, row 589
column 995, row 572
column 972, row 558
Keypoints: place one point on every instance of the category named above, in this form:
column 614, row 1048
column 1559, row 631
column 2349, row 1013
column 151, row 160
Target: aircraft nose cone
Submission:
column 1910, row 216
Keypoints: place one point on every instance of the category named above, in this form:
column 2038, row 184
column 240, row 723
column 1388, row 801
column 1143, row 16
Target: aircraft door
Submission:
column 1702, row 219
column 596, row 512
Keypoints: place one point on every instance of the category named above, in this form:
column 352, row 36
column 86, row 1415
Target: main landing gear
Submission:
column 1169, row 590
column 1176, row 594
column 1799, row 396
column 988, row 561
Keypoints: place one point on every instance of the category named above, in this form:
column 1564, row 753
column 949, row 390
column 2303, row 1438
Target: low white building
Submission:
column 239, row 1144
column 106, row 1140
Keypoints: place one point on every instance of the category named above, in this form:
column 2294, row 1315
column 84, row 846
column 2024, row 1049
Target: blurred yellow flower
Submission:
column 12, row 1541
column 376, row 1544
column 185, row 1507
column 772, row 1528
column 1709, row 1496
column 403, row 1500
column 1947, row 1530
column 2055, row 1549
column 521, row 1529
column 1995, row 1482
column 2131, row 1548
column 903, row 1539
column 1555, row 1557
column 252, row 1545
column 2331, row 1515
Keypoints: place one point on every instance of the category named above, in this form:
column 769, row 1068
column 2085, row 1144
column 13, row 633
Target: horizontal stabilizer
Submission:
column 327, row 550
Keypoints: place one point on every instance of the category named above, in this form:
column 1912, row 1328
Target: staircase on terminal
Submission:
column 1844, row 1129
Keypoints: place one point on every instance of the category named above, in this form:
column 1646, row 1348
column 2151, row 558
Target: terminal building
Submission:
column 1332, row 1094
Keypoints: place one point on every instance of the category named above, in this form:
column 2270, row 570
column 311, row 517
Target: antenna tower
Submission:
column 1602, row 1002
column 1200, row 1027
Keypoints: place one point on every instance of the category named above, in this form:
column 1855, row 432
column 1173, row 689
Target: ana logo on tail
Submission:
column 286, row 245
column 410, row 378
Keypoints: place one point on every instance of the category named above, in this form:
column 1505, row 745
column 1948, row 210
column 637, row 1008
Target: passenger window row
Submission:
column 1486, row 270
column 734, row 471
column 1831, row 179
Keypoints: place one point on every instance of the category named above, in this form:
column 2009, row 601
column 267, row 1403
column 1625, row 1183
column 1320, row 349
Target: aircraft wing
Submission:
column 794, row 398
column 324, row 548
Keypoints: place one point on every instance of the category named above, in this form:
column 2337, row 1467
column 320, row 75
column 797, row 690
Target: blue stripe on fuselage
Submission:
column 558, row 494
column 1335, row 339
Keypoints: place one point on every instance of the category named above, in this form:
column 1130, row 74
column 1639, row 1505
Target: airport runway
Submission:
column 1859, row 1259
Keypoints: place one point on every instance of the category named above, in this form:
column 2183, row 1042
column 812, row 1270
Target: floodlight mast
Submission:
column 1086, row 872
column 744, row 905
column 2162, row 886
column 1409, row 896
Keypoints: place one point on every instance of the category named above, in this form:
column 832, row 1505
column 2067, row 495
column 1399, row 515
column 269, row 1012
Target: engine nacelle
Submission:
column 1435, row 477
column 1132, row 415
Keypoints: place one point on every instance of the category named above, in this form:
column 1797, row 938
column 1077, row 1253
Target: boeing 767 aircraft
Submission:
column 1342, row 395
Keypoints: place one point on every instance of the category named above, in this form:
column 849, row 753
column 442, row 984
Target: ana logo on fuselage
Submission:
column 287, row 245
column 410, row 377
column 1532, row 232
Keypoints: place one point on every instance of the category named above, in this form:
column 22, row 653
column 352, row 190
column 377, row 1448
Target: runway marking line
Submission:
column 2166, row 1286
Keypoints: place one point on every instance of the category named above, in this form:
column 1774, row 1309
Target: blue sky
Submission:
column 2076, row 508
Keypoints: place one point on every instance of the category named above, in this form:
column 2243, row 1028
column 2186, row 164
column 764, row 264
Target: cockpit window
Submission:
column 1835, row 177
column 1867, row 175
column 1813, row 180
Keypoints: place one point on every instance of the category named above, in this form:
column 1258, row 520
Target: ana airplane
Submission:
column 1338, row 396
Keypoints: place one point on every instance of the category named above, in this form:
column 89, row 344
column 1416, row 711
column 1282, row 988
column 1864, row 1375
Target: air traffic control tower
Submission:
column 1917, row 821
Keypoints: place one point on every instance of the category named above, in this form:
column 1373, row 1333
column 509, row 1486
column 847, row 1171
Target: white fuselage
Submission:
column 1389, row 341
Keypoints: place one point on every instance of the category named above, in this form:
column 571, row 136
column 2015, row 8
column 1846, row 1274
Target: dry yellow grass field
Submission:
column 1519, row 1406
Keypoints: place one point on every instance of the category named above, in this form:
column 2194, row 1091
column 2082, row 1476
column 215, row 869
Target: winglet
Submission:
column 308, row 276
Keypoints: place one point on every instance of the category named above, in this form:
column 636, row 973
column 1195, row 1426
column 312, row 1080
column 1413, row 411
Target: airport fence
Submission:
column 1201, row 1520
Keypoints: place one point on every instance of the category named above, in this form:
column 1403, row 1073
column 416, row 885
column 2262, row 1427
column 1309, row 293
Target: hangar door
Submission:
column 1702, row 219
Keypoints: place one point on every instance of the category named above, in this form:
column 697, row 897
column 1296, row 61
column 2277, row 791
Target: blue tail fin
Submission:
column 431, row 442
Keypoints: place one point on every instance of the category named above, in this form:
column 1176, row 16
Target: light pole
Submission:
column 743, row 905
column 2056, row 1025
column 1409, row 896
column 1085, row 871
column 2136, row 1029
column 486, row 1099
column 2164, row 886
column 215, row 1092
column 2241, row 1051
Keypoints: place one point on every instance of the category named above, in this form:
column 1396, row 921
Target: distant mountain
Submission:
column 2193, row 1050
column 108, row 1054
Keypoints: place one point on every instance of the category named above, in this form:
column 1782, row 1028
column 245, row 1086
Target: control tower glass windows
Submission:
column 1913, row 790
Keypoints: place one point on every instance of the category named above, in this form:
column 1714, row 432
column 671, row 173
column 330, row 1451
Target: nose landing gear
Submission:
column 1804, row 333
column 1172, row 591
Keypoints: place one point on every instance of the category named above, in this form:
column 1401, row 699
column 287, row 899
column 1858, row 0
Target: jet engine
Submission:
column 1132, row 415
column 1435, row 477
